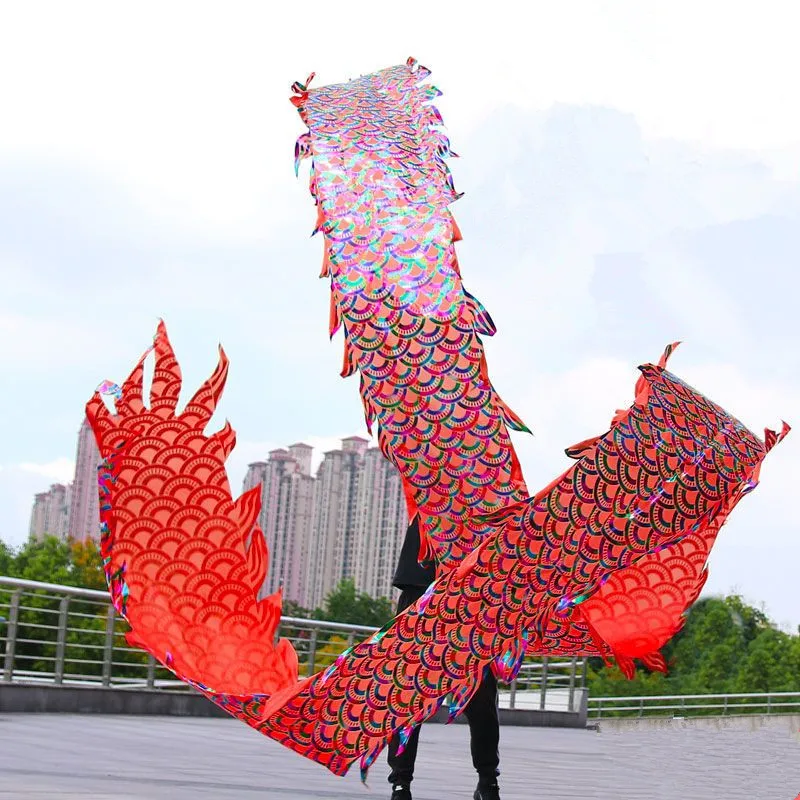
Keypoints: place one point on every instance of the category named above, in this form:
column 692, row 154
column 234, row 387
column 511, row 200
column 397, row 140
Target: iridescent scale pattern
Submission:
column 412, row 331
column 603, row 561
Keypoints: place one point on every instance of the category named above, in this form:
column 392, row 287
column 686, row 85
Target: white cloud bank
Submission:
column 147, row 172
column 61, row 470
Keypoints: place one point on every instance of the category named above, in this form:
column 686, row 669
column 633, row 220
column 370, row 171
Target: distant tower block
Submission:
column 84, row 513
column 302, row 454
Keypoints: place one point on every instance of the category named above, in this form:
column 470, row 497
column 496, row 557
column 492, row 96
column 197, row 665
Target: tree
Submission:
column 705, row 655
column 6, row 558
column 52, row 560
column 329, row 652
column 726, row 646
column 47, row 560
column 769, row 664
column 610, row 682
column 292, row 609
column 345, row 604
column 86, row 565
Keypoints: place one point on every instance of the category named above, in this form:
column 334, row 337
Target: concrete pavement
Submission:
column 87, row 757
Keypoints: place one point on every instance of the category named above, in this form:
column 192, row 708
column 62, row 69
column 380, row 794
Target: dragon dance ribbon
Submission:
column 603, row 561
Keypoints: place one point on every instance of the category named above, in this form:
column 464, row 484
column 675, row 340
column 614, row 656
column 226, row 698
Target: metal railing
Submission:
column 694, row 705
column 545, row 684
column 65, row 635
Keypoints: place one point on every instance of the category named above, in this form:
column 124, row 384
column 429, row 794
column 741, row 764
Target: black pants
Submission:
column 481, row 713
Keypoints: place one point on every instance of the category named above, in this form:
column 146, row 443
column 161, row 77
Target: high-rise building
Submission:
column 84, row 514
column 295, row 520
column 346, row 522
column 332, row 551
column 37, row 528
column 287, row 508
column 50, row 513
column 380, row 524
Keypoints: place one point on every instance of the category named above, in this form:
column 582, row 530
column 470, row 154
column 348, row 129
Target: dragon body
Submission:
column 412, row 331
column 603, row 561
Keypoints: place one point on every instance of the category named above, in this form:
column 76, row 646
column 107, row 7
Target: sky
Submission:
column 631, row 175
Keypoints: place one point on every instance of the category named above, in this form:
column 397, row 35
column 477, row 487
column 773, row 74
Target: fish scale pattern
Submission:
column 412, row 331
column 671, row 467
column 183, row 561
column 382, row 187
column 605, row 560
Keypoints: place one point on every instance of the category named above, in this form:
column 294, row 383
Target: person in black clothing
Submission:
column 413, row 578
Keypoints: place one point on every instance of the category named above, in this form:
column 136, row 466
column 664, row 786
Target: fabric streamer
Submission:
column 412, row 331
column 605, row 560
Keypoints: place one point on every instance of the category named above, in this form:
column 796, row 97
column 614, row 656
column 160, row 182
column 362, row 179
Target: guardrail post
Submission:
column 573, row 668
column 151, row 672
column 61, row 640
column 769, row 704
column 108, row 645
column 312, row 651
column 543, row 685
column 11, row 636
column 641, row 707
column 512, row 699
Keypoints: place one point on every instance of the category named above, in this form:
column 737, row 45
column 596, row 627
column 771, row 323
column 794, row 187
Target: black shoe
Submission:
column 489, row 791
column 400, row 791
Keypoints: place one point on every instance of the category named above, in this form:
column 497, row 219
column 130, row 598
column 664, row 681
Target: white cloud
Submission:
column 202, row 133
column 243, row 454
column 197, row 216
column 61, row 469
column 565, row 407
column 18, row 484
column 43, row 342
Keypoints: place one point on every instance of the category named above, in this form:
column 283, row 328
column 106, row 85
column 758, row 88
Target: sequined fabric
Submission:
column 603, row 561
column 412, row 331
column 672, row 467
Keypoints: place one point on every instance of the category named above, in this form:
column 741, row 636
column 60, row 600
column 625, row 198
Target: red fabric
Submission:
column 637, row 511
column 175, row 543
column 605, row 560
